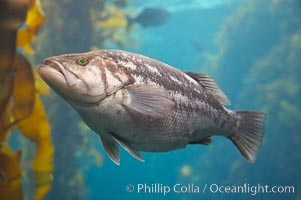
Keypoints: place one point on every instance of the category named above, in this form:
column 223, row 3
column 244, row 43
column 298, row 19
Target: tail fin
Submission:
column 249, row 133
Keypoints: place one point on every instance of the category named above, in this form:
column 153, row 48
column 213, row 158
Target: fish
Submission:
column 151, row 16
column 142, row 104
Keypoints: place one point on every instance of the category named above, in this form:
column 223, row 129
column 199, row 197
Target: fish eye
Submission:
column 83, row 61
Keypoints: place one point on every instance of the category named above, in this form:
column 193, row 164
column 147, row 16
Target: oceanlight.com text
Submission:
column 251, row 189
column 191, row 188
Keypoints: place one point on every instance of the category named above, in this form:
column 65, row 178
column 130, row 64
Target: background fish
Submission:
column 143, row 104
column 151, row 17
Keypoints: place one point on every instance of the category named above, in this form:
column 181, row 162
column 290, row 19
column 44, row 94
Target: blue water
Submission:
column 189, row 41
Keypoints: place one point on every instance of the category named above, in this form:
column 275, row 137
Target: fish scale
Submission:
column 141, row 104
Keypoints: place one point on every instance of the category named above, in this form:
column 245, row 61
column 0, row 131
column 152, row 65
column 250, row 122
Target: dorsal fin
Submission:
column 210, row 86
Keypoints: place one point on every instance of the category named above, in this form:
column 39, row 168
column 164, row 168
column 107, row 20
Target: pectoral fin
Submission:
column 111, row 149
column 149, row 100
column 129, row 148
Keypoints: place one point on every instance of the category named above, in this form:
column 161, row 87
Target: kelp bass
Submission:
column 142, row 104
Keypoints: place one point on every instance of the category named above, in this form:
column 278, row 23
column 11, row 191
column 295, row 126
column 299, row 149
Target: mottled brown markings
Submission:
column 112, row 64
column 131, row 79
column 103, row 75
column 194, row 92
column 83, row 80
column 116, row 70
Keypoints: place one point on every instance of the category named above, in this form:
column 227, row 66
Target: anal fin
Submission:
column 204, row 141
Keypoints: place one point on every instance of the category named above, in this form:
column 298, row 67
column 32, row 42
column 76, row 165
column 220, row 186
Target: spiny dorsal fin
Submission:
column 210, row 85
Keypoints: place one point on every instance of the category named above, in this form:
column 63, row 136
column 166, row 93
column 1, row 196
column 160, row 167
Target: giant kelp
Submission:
column 259, row 57
column 35, row 18
column 276, row 87
column 115, row 24
column 111, row 26
column 249, row 34
column 20, row 102
column 278, row 91
column 10, row 22
column 10, row 175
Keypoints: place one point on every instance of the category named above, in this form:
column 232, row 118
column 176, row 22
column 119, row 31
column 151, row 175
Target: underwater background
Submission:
column 252, row 48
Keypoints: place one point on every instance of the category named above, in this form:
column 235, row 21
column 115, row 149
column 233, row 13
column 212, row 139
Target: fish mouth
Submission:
column 54, row 64
column 52, row 73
